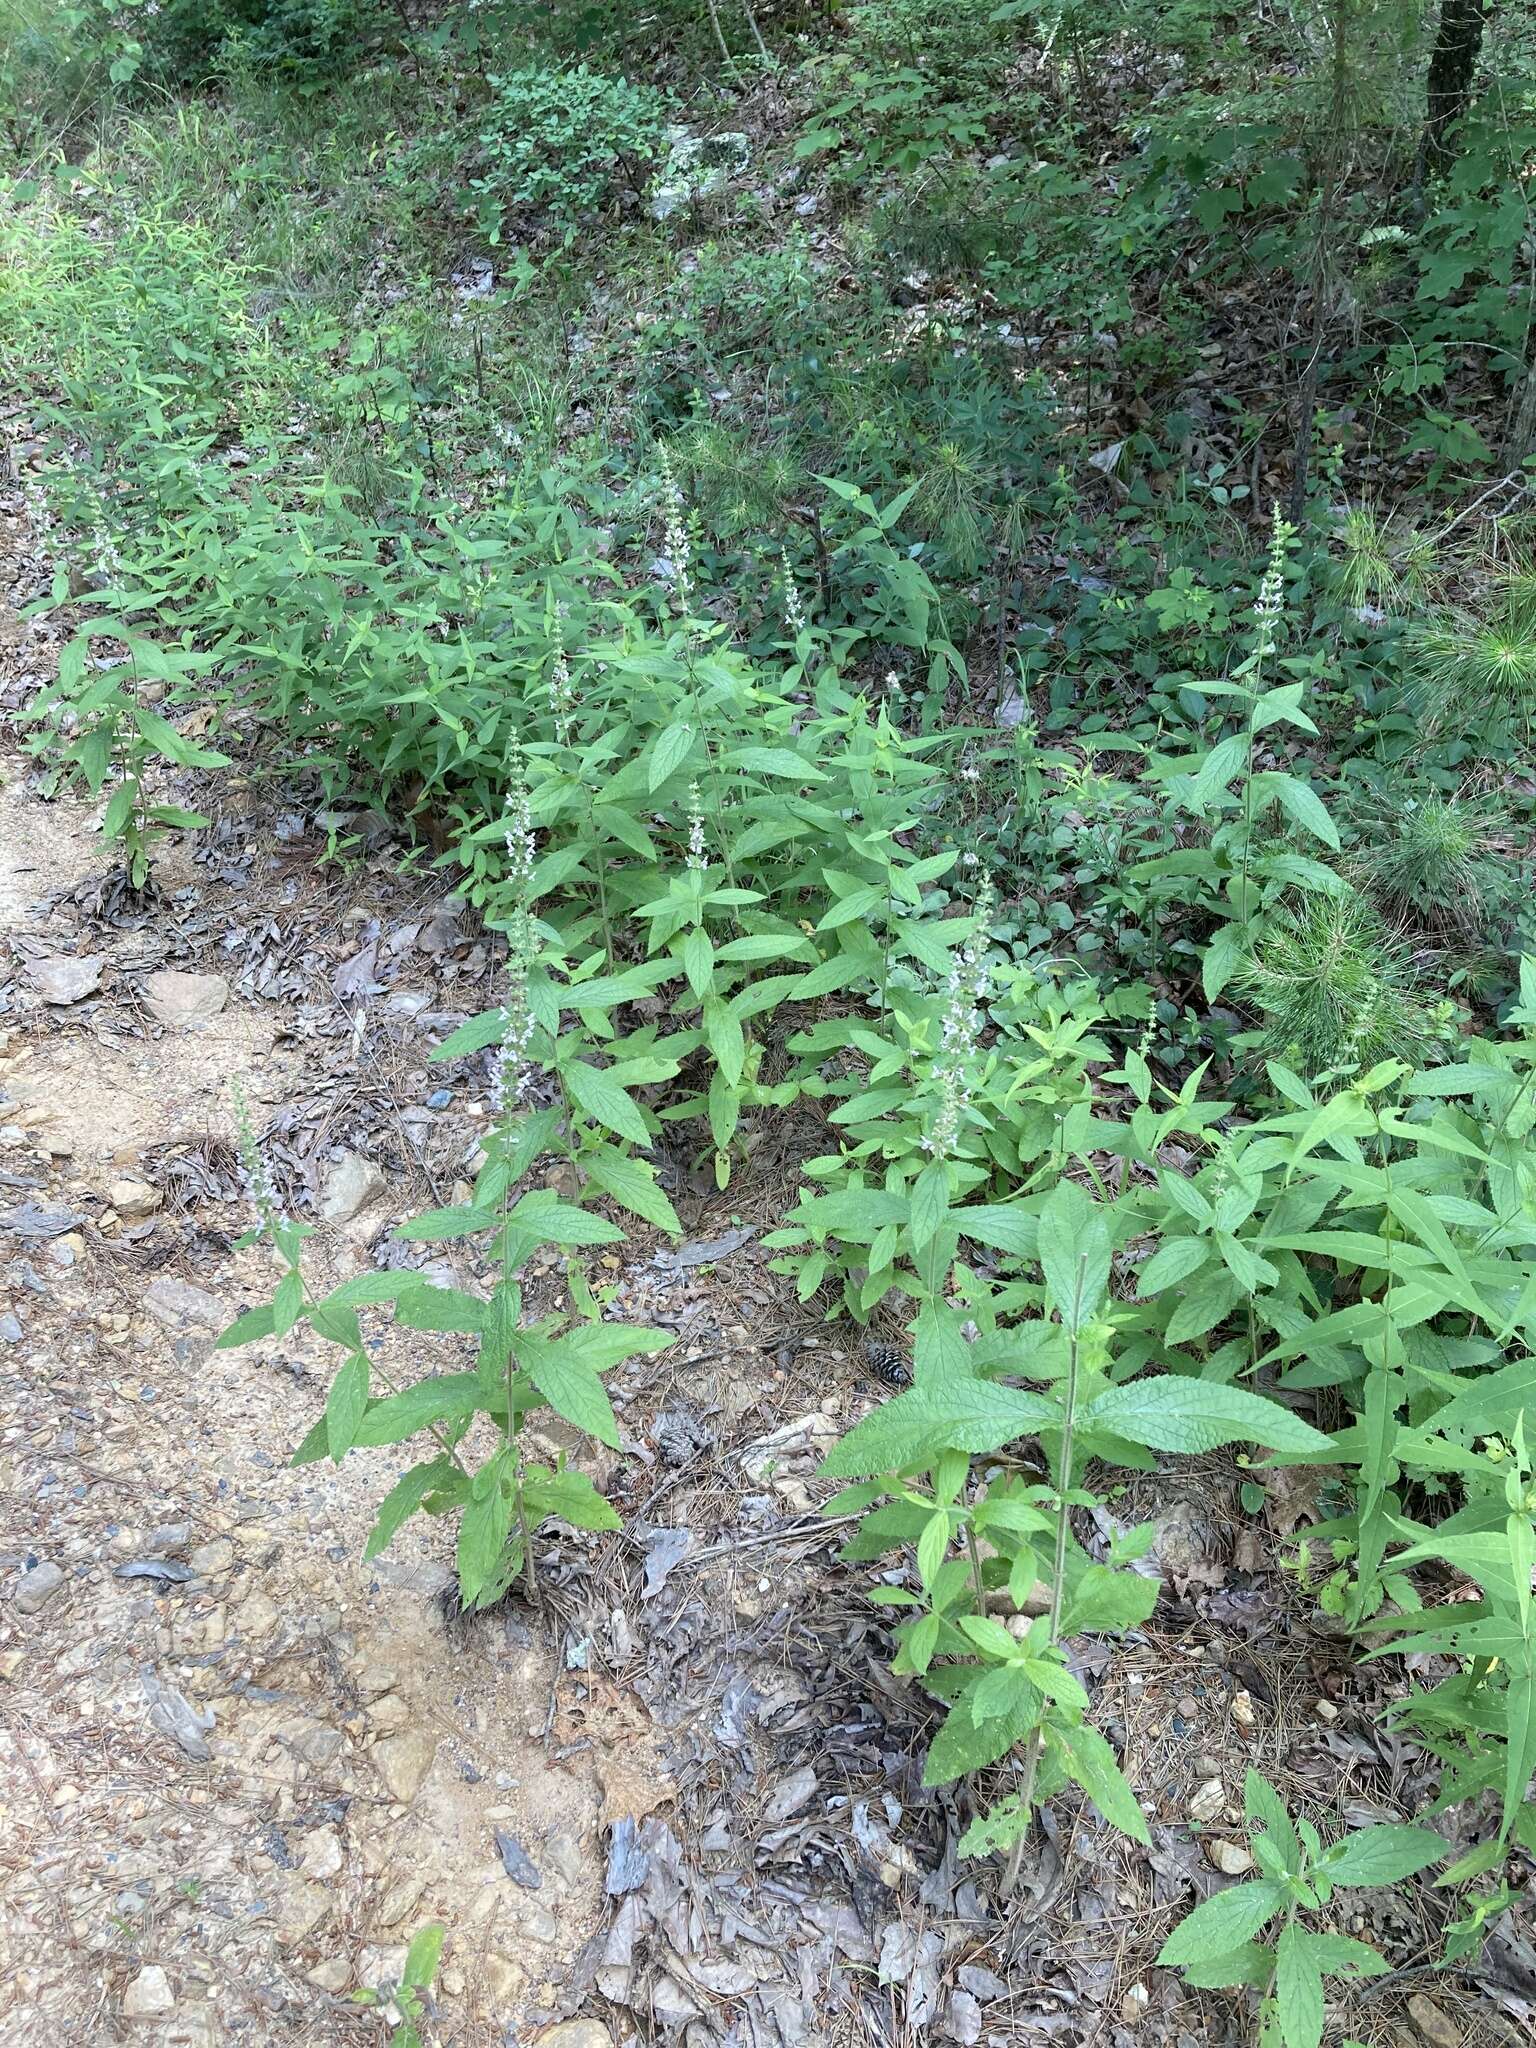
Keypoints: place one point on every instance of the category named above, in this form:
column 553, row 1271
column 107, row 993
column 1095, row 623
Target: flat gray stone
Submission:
column 66, row 981
column 184, row 1002
column 37, row 1587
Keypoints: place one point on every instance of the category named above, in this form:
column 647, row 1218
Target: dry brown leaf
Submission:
column 633, row 1782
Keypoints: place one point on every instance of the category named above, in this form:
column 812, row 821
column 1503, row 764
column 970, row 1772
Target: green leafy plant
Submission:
column 560, row 143
column 100, row 727
column 1218, row 1943
column 1004, row 1682
column 412, row 1996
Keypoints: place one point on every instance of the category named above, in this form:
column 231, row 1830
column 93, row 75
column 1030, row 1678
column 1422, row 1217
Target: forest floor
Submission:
column 680, row 1796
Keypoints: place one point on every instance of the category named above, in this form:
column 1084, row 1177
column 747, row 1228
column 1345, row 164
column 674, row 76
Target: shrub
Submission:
column 314, row 39
column 562, row 142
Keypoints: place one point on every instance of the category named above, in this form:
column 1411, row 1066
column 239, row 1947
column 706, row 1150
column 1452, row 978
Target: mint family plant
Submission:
column 935, row 1470
column 1218, row 1943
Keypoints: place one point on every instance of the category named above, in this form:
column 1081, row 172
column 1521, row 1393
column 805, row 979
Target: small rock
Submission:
column 149, row 1996
column 538, row 1923
column 1325, row 1710
column 1243, row 1711
column 11, row 1662
column 577, row 2034
column 1230, row 1858
column 400, row 1899
column 350, row 1186
column 175, row 1303
column 184, row 1002
column 215, row 1556
column 10, row 1327
column 1434, row 2022
column 1189, row 1707
column 66, row 981
column 37, row 1587
column 333, row 1975
column 564, row 1855
column 516, row 1861
column 379, row 1965
column 1207, row 1801
column 403, row 1762
column 301, row 1906
column 504, row 1981
column 256, row 1615
column 134, row 1198
column 320, row 1853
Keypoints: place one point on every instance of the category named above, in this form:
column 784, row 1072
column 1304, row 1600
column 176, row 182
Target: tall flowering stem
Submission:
column 698, row 851
column 678, row 542
column 1267, row 611
column 513, row 1071
column 965, row 992
column 562, row 701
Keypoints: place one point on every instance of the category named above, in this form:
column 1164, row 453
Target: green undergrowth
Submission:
column 677, row 496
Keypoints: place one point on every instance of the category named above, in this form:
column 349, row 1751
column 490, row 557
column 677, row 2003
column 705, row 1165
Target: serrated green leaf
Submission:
column 403, row 1499
column 965, row 1415
column 1383, row 1855
column 596, row 1091
column 672, row 748
column 633, row 1185
column 345, row 1407
column 1222, row 1924
column 1091, row 1762
column 1298, row 1989
column 1169, row 1413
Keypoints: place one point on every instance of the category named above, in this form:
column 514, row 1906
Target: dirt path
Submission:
column 239, row 1768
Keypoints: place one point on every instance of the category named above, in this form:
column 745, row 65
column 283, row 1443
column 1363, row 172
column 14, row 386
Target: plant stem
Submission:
column 1058, row 1569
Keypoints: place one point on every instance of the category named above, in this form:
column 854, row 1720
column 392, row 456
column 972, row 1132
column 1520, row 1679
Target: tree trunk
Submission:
column 1451, row 70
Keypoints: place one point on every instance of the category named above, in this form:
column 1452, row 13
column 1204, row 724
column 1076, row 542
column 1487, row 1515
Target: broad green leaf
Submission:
column 633, row 1185
column 446, row 1399
column 1073, row 1247
column 570, row 1495
column 249, row 1328
column 930, row 1202
column 422, row 1955
column 1169, row 1413
column 482, row 1539
column 964, row 1415
column 963, row 1744
column 1298, row 1989
column 672, row 748
column 444, row 1226
column 1091, row 1762
column 596, row 1091
column 348, row 1401
column 1301, row 803
column 1171, row 1263
column 1383, row 1855
column 1222, row 1924
column 572, row 1390
column 403, row 1499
